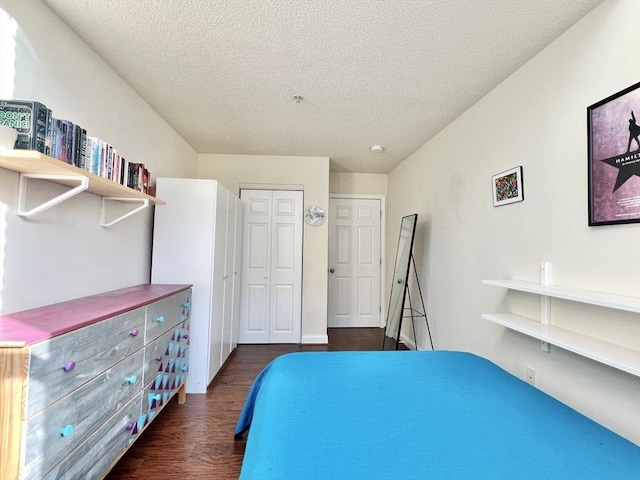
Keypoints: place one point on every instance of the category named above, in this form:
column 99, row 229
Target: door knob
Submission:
column 399, row 280
column 332, row 270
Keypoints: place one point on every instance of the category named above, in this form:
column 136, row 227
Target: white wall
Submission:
column 284, row 172
column 63, row 253
column 537, row 119
column 358, row 183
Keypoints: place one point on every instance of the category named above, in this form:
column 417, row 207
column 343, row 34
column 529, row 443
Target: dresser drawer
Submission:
column 163, row 350
column 61, row 427
column 92, row 459
column 165, row 314
column 60, row 365
column 164, row 385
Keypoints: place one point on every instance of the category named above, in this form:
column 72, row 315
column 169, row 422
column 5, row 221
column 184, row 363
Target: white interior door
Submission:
column 286, row 268
column 354, row 262
column 271, row 280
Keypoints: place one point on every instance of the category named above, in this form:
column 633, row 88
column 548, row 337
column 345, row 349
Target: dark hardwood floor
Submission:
column 195, row 440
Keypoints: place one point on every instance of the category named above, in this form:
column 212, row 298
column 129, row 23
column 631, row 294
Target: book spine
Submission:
column 77, row 146
column 49, row 134
column 70, row 146
column 83, row 149
column 63, row 141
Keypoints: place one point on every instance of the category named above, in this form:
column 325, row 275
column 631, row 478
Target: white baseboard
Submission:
column 315, row 339
column 411, row 345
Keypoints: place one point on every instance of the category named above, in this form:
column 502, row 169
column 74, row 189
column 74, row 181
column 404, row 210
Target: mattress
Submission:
column 417, row 415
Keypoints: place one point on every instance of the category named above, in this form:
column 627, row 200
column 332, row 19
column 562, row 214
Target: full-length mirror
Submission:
column 399, row 282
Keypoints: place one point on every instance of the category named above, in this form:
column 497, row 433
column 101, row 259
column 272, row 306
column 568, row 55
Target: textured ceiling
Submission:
column 223, row 73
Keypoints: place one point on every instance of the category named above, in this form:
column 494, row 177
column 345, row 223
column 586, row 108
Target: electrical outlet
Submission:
column 530, row 375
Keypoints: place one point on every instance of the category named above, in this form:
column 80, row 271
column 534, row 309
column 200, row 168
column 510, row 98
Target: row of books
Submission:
column 61, row 139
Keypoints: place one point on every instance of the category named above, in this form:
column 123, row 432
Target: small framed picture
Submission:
column 507, row 187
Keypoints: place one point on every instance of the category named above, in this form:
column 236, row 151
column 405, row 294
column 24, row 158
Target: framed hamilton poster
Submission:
column 614, row 158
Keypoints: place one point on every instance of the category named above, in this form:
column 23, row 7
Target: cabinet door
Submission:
column 237, row 269
column 228, row 279
column 218, row 281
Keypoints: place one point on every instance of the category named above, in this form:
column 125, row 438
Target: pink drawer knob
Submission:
column 159, row 358
column 69, row 366
column 160, row 319
column 134, row 332
column 66, row 431
column 130, row 425
column 132, row 379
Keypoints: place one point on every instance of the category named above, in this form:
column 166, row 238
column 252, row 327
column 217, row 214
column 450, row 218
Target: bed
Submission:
column 417, row 415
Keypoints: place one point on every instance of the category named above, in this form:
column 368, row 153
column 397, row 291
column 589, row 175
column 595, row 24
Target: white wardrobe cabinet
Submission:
column 198, row 236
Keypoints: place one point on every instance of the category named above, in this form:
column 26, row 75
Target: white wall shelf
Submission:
column 32, row 164
column 610, row 354
column 616, row 356
column 610, row 300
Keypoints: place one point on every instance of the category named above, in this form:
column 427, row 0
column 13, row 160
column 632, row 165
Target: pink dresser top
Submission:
column 31, row 326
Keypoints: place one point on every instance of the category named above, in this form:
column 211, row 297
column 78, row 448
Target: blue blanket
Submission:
column 417, row 415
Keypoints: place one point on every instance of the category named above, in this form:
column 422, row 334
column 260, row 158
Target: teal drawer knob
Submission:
column 132, row 379
column 186, row 304
column 160, row 319
column 184, row 368
column 69, row 366
column 157, row 397
column 66, row 431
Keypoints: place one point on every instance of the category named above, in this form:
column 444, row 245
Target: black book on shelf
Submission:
column 29, row 119
column 71, row 151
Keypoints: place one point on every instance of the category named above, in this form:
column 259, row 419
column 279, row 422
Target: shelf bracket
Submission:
column 23, row 187
column 142, row 204
column 545, row 302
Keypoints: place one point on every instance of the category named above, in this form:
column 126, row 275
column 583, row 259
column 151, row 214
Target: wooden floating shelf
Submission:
column 33, row 162
column 609, row 300
column 615, row 356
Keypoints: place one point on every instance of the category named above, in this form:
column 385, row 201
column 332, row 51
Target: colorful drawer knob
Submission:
column 134, row 332
column 183, row 368
column 185, row 335
column 69, row 366
column 66, row 431
column 132, row 379
column 130, row 425
column 160, row 319
column 159, row 358
column 186, row 304
column 156, row 397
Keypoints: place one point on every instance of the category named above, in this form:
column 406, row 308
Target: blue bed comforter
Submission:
column 417, row 415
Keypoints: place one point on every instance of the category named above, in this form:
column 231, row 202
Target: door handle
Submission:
column 399, row 280
column 332, row 270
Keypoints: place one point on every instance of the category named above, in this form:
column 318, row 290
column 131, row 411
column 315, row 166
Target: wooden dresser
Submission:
column 80, row 380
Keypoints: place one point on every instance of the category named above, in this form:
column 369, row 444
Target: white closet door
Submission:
column 354, row 263
column 286, row 267
column 217, row 300
column 256, row 253
column 271, row 292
